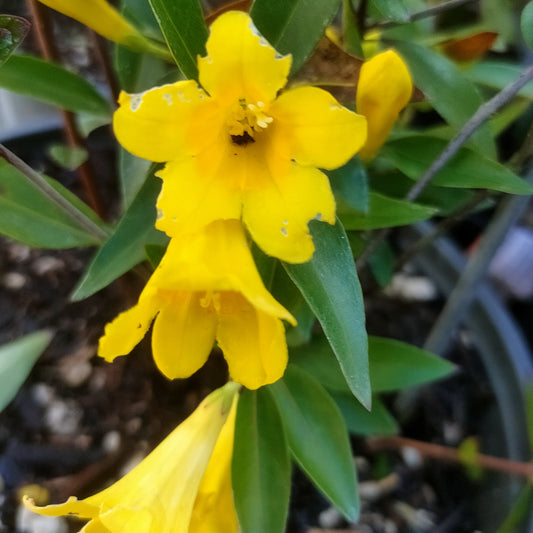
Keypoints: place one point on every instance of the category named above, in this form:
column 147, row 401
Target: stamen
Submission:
column 246, row 120
column 211, row 299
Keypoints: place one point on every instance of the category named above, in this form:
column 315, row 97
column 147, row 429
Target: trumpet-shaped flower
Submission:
column 235, row 149
column 206, row 287
column 105, row 20
column 384, row 89
column 173, row 487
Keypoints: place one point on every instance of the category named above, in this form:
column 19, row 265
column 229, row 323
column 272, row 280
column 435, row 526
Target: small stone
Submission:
column 412, row 457
column 412, row 288
column 46, row 264
column 30, row 522
column 63, row 417
column 111, row 441
column 330, row 518
column 14, row 281
column 75, row 369
column 19, row 252
column 43, row 394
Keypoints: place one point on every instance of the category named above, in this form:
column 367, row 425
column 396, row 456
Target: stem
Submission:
column 43, row 186
column 452, row 455
column 484, row 112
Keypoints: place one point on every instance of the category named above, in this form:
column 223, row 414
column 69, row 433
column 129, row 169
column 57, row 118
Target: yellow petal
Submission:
column 167, row 122
column 126, row 331
column 183, row 335
column 98, row 15
column 71, row 506
column 311, row 127
column 214, row 510
column 384, row 89
column 124, row 519
column 216, row 259
column 240, row 63
column 191, row 199
column 253, row 342
column 277, row 215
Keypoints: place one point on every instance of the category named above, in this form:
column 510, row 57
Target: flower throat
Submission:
column 245, row 121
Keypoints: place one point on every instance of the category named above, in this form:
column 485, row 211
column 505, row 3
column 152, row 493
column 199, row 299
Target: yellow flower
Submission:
column 206, row 287
column 235, row 149
column 105, row 20
column 178, row 483
column 384, row 89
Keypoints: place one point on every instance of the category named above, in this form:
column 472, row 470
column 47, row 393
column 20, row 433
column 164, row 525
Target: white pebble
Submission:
column 43, row 394
column 30, row 522
column 45, row 264
column 330, row 518
column 412, row 288
column 412, row 457
column 14, row 280
column 111, row 441
column 63, row 417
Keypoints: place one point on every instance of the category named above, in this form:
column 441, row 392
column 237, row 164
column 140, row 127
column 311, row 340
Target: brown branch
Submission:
column 46, row 43
column 452, row 455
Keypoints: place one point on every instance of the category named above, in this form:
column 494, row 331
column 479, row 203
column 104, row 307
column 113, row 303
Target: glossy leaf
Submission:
column 350, row 32
column 69, row 157
column 30, row 217
column 386, row 212
column 498, row 74
column 261, row 470
column 125, row 248
column 526, row 24
column 52, row 84
column 398, row 365
column 16, row 361
column 394, row 10
column 330, row 285
column 315, row 430
column 293, row 26
column 450, row 92
column 350, row 186
column 182, row 23
column 133, row 172
column 467, row 169
column 359, row 421
column 13, row 30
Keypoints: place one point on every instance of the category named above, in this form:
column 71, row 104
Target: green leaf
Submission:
column 69, row 157
column 498, row 74
column 288, row 295
column 293, row 26
column 359, row 421
column 261, row 470
column 398, row 365
column 386, row 212
column 125, row 248
column 350, row 31
column 394, row 10
column 16, row 361
column 467, row 169
column 28, row 216
column 13, row 30
column 183, row 25
column 330, row 285
column 315, row 430
column 350, row 186
column 526, row 24
column 448, row 89
column 519, row 512
column 50, row 83
column 133, row 172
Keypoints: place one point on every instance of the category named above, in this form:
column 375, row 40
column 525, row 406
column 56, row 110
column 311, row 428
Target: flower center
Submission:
column 245, row 121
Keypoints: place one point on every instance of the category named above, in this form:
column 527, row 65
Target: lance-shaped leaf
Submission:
column 12, row 33
column 182, row 23
column 330, row 285
column 52, row 84
column 316, row 430
column 261, row 470
column 293, row 26
column 16, row 361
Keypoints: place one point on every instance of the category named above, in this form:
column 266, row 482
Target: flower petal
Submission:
column 311, row 127
column 191, row 198
column 240, row 63
column 277, row 215
column 123, row 519
column 253, row 342
column 71, row 506
column 384, row 89
column 214, row 510
column 126, row 331
column 167, row 122
column 183, row 335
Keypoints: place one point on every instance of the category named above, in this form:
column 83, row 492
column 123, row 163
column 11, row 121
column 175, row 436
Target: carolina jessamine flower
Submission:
column 183, row 480
column 235, row 149
column 384, row 89
column 206, row 287
column 107, row 21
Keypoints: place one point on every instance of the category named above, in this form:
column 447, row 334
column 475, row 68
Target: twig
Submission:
column 446, row 453
column 40, row 183
column 50, row 53
column 483, row 113
column 103, row 58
